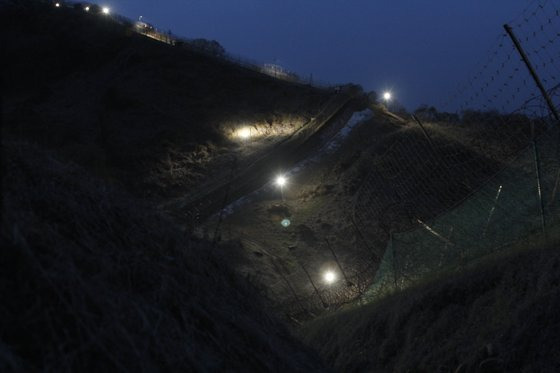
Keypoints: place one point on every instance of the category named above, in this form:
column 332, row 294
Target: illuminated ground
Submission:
column 331, row 220
column 318, row 201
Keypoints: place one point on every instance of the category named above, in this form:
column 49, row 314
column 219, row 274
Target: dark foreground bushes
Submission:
column 92, row 281
column 501, row 317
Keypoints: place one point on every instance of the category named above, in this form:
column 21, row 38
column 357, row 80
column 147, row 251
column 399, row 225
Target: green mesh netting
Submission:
column 520, row 201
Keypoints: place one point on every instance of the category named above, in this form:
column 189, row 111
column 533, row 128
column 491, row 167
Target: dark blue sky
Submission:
column 420, row 49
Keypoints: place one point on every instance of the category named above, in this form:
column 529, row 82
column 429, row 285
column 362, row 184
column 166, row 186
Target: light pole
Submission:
column 281, row 181
column 387, row 96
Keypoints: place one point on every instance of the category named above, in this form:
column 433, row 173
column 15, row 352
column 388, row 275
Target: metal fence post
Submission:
column 224, row 204
column 538, row 177
column 392, row 246
column 532, row 71
column 492, row 211
column 292, row 290
column 362, row 237
column 348, row 282
column 325, row 305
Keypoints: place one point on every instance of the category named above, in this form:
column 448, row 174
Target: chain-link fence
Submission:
column 507, row 192
column 519, row 201
column 457, row 188
column 446, row 190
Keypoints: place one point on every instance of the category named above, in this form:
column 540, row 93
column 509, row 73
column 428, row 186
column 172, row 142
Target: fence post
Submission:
column 424, row 131
column 292, row 290
column 446, row 245
column 492, row 211
column 348, row 282
column 555, row 189
column 224, row 203
column 432, row 231
column 392, row 246
column 538, row 177
column 325, row 305
column 532, row 71
column 361, row 235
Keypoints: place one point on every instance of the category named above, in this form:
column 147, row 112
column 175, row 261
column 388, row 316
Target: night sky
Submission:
column 421, row 50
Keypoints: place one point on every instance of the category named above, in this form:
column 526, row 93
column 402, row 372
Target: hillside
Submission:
column 377, row 176
column 145, row 230
column 499, row 317
column 92, row 280
column 98, row 125
column 158, row 119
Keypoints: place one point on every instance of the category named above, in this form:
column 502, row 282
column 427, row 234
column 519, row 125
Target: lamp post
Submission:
column 280, row 182
column 387, row 96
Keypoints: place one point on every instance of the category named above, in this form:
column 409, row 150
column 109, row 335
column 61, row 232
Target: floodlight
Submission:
column 281, row 181
column 105, row 10
column 244, row 133
column 329, row 277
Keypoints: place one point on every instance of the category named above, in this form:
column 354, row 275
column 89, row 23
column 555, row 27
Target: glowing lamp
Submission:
column 105, row 10
column 387, row 96
column 329, row 277
column 244, row 133
column 281, row 181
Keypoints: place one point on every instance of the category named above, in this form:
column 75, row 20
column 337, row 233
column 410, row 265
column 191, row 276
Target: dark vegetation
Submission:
column 150, row 116
column 497, row 135
column 93, row 280
column 499, row 317
column 100, row 124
